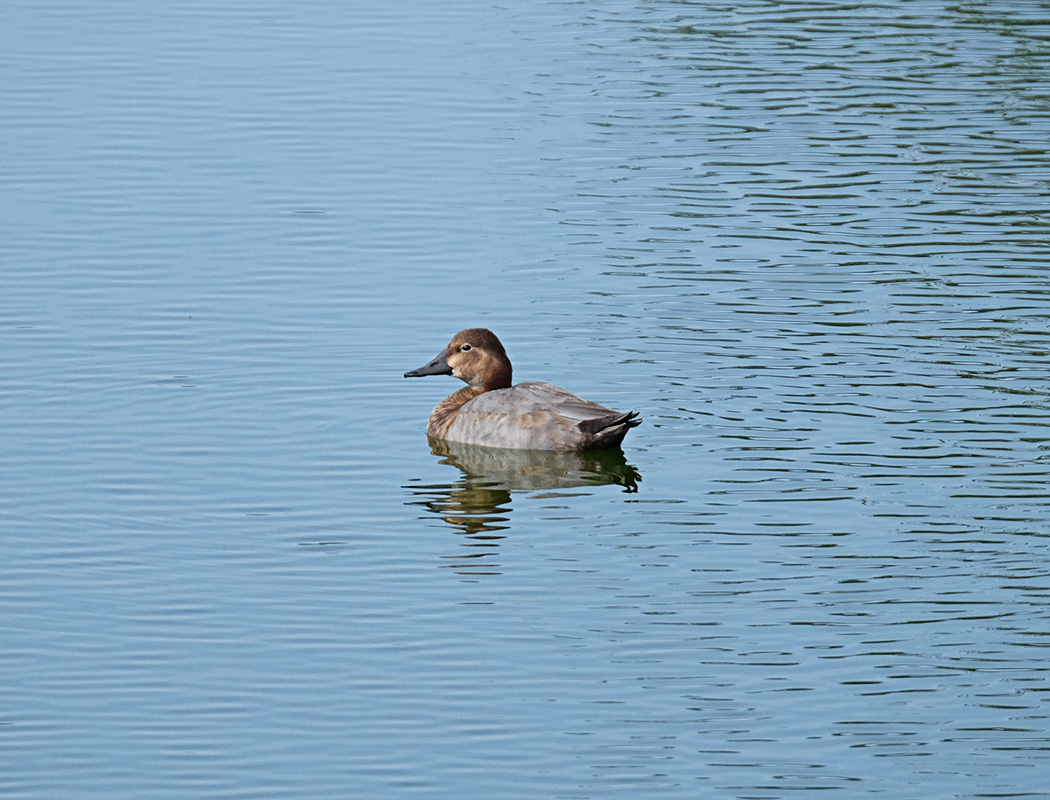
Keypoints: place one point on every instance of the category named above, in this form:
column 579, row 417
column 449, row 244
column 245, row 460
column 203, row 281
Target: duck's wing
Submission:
column 573, row 423
column 536, row 396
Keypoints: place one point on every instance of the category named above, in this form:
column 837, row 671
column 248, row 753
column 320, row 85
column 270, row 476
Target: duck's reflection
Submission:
column 478, row 505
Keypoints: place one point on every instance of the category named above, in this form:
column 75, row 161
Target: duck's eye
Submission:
column 464, row 348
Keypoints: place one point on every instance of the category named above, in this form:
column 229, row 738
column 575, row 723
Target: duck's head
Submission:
column 474, row 355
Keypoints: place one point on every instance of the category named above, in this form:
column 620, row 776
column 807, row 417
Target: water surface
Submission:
column 807, row 241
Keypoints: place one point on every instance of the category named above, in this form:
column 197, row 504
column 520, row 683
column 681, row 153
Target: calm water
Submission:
column 807, row 241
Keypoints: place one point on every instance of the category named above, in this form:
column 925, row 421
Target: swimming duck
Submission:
column 490, row 411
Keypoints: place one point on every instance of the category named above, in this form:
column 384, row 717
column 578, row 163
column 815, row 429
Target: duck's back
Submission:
column 539, row 416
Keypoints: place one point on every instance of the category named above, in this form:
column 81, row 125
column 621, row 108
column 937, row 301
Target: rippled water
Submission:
column 807, row 241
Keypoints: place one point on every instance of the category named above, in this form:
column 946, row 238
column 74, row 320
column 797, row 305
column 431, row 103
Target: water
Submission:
column 807, row 241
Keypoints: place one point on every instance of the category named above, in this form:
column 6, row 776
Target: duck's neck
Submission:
column 500, row 377
column 445, row 413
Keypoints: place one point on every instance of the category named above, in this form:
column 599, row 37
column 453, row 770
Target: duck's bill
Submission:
column 439, row 366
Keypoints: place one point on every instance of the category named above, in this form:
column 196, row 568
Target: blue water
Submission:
column 806, row 241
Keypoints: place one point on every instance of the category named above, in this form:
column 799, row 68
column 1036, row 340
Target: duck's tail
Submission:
column 608, row 431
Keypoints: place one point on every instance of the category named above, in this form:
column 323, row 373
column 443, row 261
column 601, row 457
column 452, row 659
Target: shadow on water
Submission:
column 478, row 504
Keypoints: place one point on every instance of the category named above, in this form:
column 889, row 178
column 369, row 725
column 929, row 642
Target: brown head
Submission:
column 474, row 355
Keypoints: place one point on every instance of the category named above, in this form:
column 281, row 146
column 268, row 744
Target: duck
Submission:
column 490, row 411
